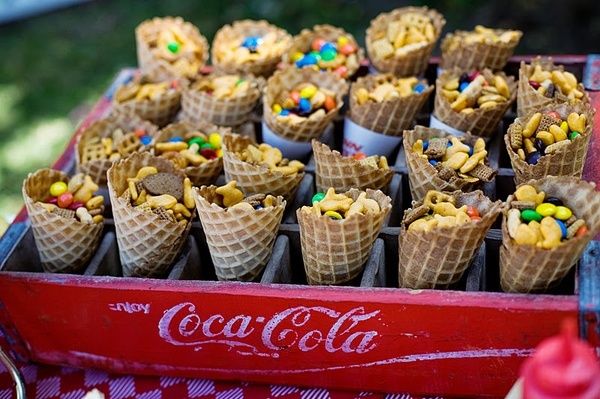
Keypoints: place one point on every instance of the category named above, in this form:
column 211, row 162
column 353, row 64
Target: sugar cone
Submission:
column 421, row 174
column 387, row 117
column 335, row 251
column 152, row 65
column 255, row 179
column 65, row 245
column 343, row 173
column 223, row 57
column 567, row 161
column 314, row 126
column 440, row 257
column 481, row 122
column 528, row 99
column 148, row 244
column 206, row 173
column 412, row 63
column 102, row 128
column 197, row 106
column 240, row 241
column 301, row 43
column 526, row 268
column 469, row 56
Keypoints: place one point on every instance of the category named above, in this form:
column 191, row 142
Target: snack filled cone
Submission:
column 338, row 232
column 154, row 102
column 170, row 48
column 552, row 141
column 258, row 171
column 202, row 162
column 433, row 165
column 385, row 104
column 110, row 139
column 478, row 49
column 65, row 242
column 241, row 234
column 326, row 48
column 401, row 41
column 332, row 169
column 225, row 100
column 323, row 104
column 249, row 47
column 440, row 235
column 149, row 236
column 542, row 83
column 479, row 106
column 536, row 253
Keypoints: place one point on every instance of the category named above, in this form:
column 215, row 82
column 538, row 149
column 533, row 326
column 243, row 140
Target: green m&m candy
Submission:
column 573, row 135
column 173, row 47
column 196, row 140
column 529, row 214
column 317, row 197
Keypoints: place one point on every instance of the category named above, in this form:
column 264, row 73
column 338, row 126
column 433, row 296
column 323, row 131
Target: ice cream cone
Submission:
column 439, row 257
column 481, row 122
column 526, row 268
column 148, row 244
column 313, row 126
column 255, row 179
column 335, row 251
column 390, row 117
column 240, row 241
column 412, row 62
column 566, row 161
column 343, row 173
column 65, row 245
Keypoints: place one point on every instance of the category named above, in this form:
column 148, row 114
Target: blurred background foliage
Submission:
column 55, row 66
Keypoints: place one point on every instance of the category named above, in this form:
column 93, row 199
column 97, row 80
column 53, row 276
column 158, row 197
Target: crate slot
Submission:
column 278, row 270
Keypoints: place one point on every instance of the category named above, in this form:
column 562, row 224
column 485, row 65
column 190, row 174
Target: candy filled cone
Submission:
column 439, row 258
column 388, row 117
column 566, row 161
column 530, row 100
column 287, row 79
column 423, row 176
column 415, row 61
column 332, row 169
column 240, row 241
column 482, row 122
column 148, row 244
column 255, row 179
column 335, row 251
column 65, row 245
column 527, row 268
column 470, row 56
column 203, row 174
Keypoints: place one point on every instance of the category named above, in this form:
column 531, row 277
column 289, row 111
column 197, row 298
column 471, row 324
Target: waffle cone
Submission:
column 387, row 117
column 334, row 251
column 567, row 161
column 470, row 56
column 287, row 79
column 421, row 174
column 198, row 106
column 238, row 30
column 343, row 173
column 206, row 173
column 159, row 110
column 439, row 257
column 102, row 128
column 148, row 245
column 526, row 268
column 65, row 245
column 302, row 43
column 255, row 179
column 528, row 99
column 412, row 63
column 240, row 241
column 481, row 122
column 157, row 68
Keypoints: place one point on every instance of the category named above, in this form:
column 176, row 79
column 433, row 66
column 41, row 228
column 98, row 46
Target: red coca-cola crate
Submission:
column 467, row 340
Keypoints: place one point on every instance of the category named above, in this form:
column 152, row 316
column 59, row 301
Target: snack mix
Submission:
column 271, row 157
column 473, row 90
column 481, row 34
column 224, row 87
column 142, row 90
column 389, row 90
column 340, row 56
column 304, row 101
column 175, row 47
column 118, row 145
column 193, row 149
column 411, row 31
column 230, row 197
column 551, row 83
column 340, row 206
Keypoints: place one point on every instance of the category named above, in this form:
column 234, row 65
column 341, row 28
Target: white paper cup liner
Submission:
column 438, row 124
column 358, row 139
column 289, row 148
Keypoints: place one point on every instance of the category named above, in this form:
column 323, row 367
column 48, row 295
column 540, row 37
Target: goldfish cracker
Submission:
column 529, row 193
column 188, row 199
column 230, row 193
column 164, row 200
column 551, row 233
column 532, row 125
